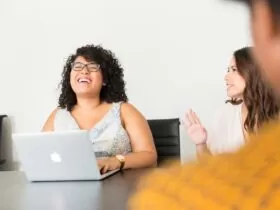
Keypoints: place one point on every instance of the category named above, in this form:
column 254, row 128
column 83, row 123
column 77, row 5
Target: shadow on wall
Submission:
column 7, row 149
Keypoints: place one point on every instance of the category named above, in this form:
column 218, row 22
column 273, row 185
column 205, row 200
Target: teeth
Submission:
column 84, row 80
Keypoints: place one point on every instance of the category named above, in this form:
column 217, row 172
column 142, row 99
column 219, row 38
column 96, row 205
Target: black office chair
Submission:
column 1, row 136
column 166, row 135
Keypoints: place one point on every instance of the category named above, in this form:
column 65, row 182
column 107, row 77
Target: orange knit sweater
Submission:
column 246, row 180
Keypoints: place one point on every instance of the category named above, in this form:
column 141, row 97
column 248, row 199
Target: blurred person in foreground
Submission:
column 248, row 179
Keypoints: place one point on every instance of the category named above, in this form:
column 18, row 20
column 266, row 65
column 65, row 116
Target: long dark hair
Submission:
column 112, row 72
column 258, row 97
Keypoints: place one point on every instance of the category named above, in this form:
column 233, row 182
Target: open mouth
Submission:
column 84, row 80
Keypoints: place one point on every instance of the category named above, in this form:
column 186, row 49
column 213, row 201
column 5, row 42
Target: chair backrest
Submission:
column 166, row 135
column 1, row 135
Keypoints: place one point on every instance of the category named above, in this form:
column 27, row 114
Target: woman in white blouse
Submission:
column 251, row 103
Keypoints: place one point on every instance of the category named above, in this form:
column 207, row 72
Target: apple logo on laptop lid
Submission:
column 55, row 157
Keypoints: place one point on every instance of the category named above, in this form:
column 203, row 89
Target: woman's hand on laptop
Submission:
column 108, row 164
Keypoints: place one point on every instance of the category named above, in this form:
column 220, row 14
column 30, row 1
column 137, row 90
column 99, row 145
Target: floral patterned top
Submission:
column 108, row 136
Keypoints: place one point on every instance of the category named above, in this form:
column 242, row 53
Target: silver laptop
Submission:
column 58, row 156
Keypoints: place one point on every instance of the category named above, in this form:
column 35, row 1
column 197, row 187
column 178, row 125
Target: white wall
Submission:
column 175, row 53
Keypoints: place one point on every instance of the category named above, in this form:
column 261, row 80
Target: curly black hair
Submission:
column 111, row 70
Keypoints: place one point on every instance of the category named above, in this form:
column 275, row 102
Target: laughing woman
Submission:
column 93, row 98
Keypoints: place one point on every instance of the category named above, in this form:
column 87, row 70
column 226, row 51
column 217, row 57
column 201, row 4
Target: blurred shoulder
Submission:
column 161, row 190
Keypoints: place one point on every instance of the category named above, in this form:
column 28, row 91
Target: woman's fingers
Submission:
column 190, row 117
column 105, row 169
column 103, row 165
column 187, row 121
column 100, row 165
column 196, row 119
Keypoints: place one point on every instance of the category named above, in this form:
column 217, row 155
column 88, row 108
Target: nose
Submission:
column 226, row 78
column 85, row 70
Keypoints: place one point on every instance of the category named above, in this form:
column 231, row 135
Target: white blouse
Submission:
column 225, row 134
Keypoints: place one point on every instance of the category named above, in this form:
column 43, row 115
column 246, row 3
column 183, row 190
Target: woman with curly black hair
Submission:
column 93, row 98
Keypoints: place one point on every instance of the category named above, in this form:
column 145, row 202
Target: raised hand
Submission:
column 195, row 129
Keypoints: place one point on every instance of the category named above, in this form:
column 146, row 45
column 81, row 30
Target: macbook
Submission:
column 58, row 156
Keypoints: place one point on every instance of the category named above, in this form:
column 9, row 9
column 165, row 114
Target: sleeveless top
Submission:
column 108, row 136
column 225, row 134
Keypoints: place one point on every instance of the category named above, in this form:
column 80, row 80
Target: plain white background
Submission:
column 175, row 53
